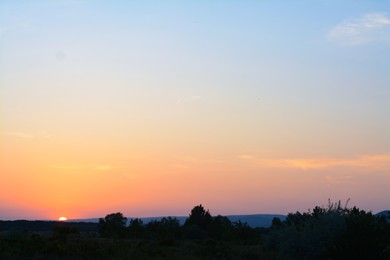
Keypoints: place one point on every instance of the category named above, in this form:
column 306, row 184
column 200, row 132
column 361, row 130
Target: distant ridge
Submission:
column 253, row 220
column 257, row 220
column 384, row 213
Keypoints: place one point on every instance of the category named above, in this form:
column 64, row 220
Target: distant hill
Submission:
column 385, row 213
column 255, row 220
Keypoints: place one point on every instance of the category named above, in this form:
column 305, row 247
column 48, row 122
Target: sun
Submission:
column 62, row 219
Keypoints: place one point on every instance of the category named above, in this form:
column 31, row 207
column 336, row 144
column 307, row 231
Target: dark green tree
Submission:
column 276, row 223
column 308, row 235
column 221, row 228
column 198, row 224
column 244, row 233
column 136, row 228
column 334, row 232
column 166, row 228
column 199, row 217
column 366, row 237
column 113, row 225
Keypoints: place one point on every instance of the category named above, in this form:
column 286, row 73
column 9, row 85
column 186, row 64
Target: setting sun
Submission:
column 152, row 107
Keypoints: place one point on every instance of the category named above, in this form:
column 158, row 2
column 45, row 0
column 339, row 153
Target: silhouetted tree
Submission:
column 221, row 228
column 366, row 237
column 244, row 233
column 334, row 232
column 166, row 228
column 136, row 228
column 198, row 224
column 276, row 223
column 113, row 225
column 199, row 217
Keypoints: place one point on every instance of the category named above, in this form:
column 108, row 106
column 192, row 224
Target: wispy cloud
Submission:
column 19, row 134
column 246, row 156
column 373, row 162
column 25, row 135
column 371, row 27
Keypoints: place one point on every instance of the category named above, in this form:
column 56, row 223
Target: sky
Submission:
column 150, row 108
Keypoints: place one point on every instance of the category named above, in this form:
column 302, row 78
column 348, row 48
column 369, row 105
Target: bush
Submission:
column 334, row 232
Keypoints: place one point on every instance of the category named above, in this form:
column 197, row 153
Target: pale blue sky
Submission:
column 279, row 52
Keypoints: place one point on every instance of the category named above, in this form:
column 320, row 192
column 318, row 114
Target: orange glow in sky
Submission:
column 152, row 108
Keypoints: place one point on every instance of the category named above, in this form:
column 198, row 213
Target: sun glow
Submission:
column 62, row 219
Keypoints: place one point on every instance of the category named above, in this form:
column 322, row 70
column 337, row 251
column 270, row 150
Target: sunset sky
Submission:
column 152, row 107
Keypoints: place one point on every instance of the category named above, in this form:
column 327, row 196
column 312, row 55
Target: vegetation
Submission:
column 331, row 232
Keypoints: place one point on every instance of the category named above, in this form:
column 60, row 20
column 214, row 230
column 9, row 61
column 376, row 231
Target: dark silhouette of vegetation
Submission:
column 221, row 228
column 61, row 231
column 136, row 228
column 167, row 229
column 276, row 223
column 331, row 232
column 113, row 225
column 198, row 223
column 199, row 217
column 365, row 236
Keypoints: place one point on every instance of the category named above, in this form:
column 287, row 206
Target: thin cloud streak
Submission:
column 373, row 162
column 371, row 27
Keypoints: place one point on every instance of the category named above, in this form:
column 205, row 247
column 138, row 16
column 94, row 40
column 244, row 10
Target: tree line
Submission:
column 327, row 232
column 331, row 232
column 199, row 225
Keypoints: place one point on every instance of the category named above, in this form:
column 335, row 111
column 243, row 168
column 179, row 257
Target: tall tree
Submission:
column 113, row 225
column 199, row 217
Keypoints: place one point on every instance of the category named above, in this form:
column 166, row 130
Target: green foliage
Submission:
column 201, row 225
column 365, row 236
column 276, row 223
column 136, row 228
column 333, row 232
column 61, row 231
column 194, row 232
column 166, row 229
column 221, row 228
column 113, row 225
column 245, row 234
column 37, row 247
column 65, row 229
column 198, row 223
column 199, row 217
